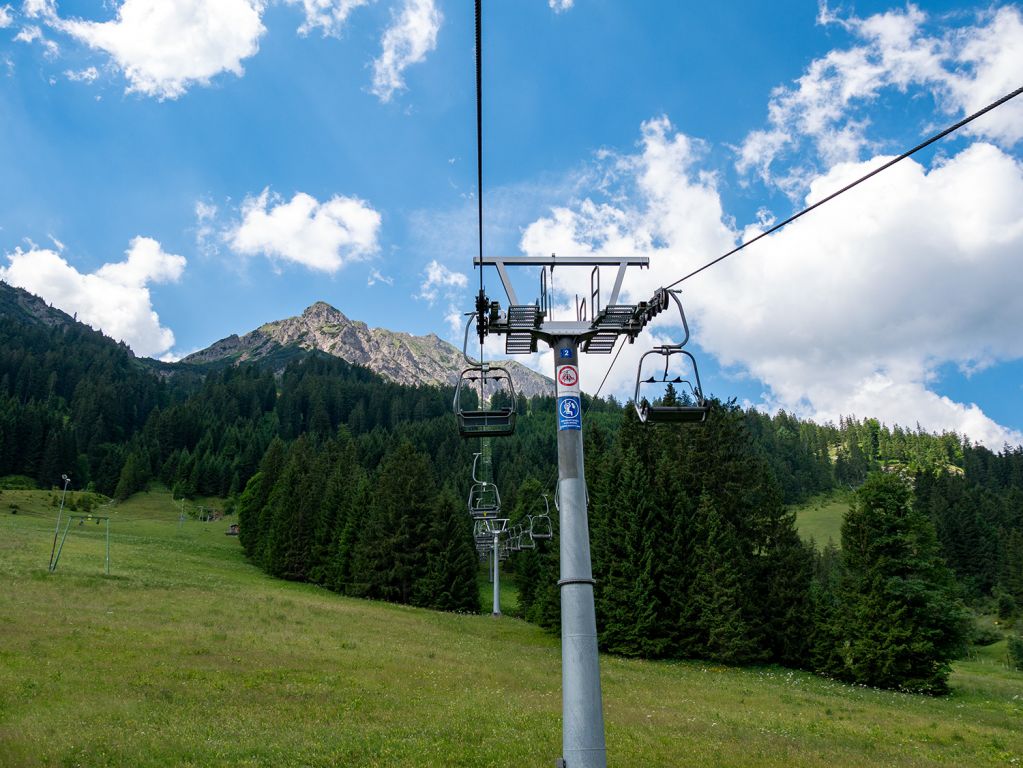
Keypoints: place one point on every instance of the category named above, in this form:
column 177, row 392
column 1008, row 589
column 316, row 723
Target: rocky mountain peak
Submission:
column 401, row 357
column 321, row 311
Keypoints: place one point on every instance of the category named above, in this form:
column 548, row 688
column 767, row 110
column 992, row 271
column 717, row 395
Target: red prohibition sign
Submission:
column 567, row 376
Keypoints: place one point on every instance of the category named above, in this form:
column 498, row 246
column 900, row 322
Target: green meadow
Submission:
column 186, row 655
column 820, row 518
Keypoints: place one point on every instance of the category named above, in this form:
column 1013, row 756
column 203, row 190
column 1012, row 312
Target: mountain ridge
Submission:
column 20, row 304
column 396, row 355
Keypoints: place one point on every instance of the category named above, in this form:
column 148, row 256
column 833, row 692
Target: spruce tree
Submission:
column 291, row 509
column 251, row 521
column 529, row 501
column 449, row 580
column 717, row 591
column 899, row 623
column 390, row 556
column 616, row 558
column 824, row 606
column 784, row 577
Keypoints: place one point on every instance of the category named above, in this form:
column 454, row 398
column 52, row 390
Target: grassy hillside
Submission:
column 821, row 518
column 187, row 655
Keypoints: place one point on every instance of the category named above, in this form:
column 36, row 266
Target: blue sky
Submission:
column 178, row 171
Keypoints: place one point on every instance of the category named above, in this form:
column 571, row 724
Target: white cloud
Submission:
column 206, row 235
column 28, row 34
column 39, row 9
column 993, row 59
column 114, row 298
column 321, row 236
column 166, row 47
column 559, row 6
column 438, row 278
column 375, row 276
column 962, row 68
column 6, row 19
column 87, row 75
column 32, row 33
column 205, row 212
column 327, row 15
column 412, row 35
column 455, row 321
column 851, row 310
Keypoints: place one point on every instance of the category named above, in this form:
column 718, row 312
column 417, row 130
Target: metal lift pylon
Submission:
column 524, row 325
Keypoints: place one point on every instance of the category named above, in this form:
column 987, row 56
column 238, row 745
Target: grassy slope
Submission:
column 821, row 518
column 187, row 655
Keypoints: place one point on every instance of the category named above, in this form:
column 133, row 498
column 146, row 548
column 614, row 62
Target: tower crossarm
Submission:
column 525, row 324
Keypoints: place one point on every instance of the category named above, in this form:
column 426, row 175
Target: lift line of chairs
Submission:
column 690, row 405
column 485, row 509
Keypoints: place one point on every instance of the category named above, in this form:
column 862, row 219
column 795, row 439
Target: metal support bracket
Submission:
column 563, row 582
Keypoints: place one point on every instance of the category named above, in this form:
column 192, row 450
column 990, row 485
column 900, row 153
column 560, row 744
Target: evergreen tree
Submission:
column 717, row 592
column 252, row 521
column 616, row 559
column 291, row 508
column 390, row 556
column 898, row 623
column 449, row 581
column 526, row 564
column 785, row 576
column 823, row 637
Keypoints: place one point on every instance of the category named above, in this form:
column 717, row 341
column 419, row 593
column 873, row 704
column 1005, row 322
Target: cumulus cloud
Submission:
column 854, row 309
column 437, row 278
column 962, row 68
column 166, row 47
column 411, row 36
column 559, row 6
column 115, row 298
column 321, row 236
column 992, row 56
column 329, row 16
column 6, row 17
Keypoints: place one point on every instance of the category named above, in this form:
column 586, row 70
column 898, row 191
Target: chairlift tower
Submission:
column 523, row 326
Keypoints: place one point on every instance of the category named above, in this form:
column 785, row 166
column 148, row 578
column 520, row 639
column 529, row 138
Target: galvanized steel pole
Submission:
column 497, row 575
column 581, row 708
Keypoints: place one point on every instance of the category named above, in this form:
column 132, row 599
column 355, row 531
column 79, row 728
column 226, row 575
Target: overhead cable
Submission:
column 608, row 372
column 847, row 187
column 479, row 132
column 936, row 137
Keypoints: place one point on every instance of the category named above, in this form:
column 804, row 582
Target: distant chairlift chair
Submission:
column 484, row 501
column 540, row 526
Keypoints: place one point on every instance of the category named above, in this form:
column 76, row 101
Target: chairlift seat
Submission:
column 673, row 414
column 540, row 527
column 485, row 422
column 693, row 409
column 497, row 423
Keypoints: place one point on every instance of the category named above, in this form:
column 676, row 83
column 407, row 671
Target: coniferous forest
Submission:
column 345, row 480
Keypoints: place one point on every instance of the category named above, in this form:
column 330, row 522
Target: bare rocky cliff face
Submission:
column 25, row 307
column 400, row 357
